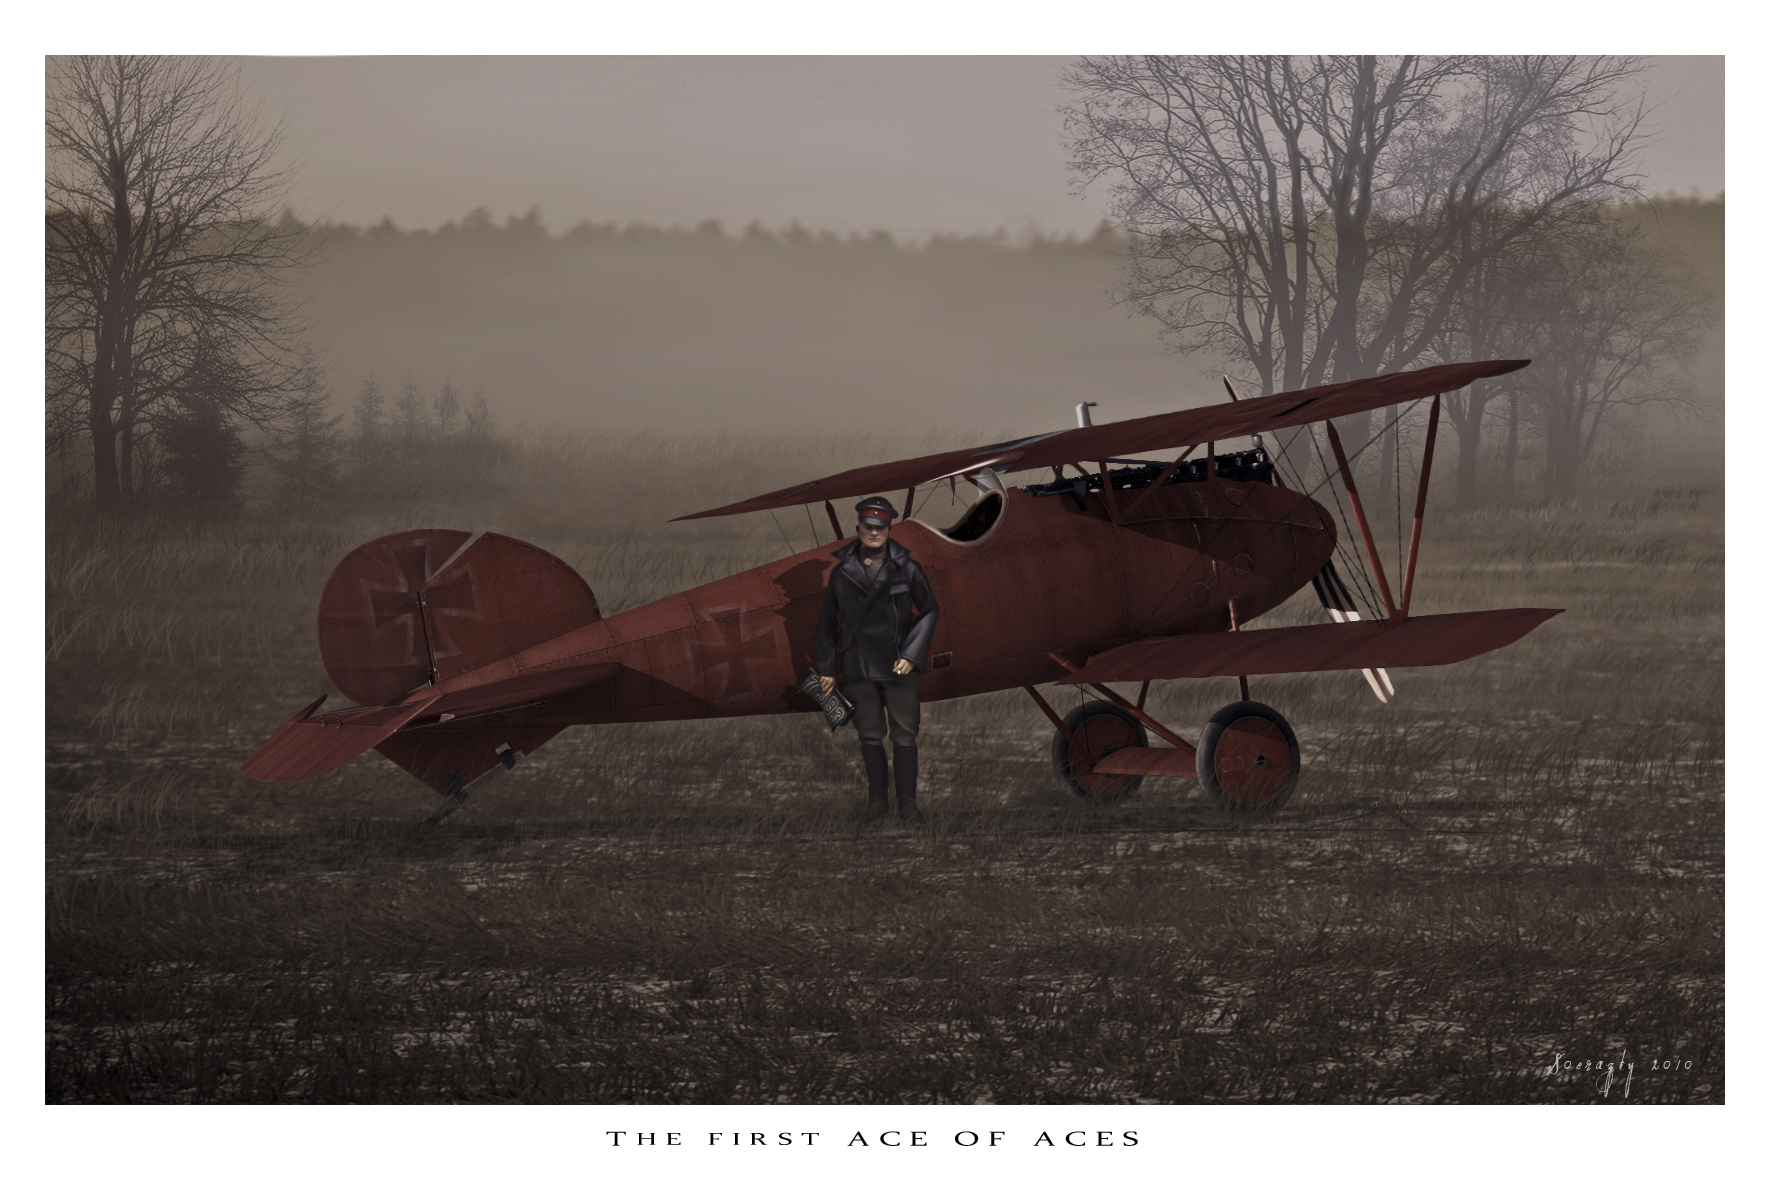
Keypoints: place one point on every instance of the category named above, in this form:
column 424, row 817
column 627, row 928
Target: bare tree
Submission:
column 163, row 268
column 1607, row 320
column 1487, row 319
column 1307, row 219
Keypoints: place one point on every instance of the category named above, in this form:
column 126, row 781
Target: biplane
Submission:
column 460, row 653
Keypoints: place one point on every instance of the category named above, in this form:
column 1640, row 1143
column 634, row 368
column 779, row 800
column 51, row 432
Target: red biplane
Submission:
column 460, row 653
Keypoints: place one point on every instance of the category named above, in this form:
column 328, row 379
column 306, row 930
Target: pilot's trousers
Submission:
column 899, row 702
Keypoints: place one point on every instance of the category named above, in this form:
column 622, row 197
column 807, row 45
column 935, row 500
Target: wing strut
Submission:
column 1234, row 627
column 1106, row 493
column 1370, row 545
column 1413, row 547
column 1364, row 529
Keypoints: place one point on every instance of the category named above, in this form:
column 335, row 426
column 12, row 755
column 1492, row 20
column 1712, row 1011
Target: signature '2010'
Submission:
column 1568, row 1066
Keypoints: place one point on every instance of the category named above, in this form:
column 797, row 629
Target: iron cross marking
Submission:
column 453, row 595
column 736, row 660
column 399, row 603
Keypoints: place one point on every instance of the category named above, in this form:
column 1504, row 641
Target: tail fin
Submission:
column 413, row 608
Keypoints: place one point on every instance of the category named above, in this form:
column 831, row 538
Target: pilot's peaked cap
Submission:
column 876, row 511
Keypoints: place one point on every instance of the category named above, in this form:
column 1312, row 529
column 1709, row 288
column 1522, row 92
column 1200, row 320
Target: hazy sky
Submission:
column 912, row 145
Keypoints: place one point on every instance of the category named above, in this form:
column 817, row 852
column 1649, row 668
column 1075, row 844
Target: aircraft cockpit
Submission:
column 984, row 516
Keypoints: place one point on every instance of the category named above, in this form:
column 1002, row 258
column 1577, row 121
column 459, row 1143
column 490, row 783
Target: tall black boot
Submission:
column 903, row 766
column 874, row 758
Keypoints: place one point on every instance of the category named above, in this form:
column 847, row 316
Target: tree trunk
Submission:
column 1557, row 457
column 126, row 465
column 1291, row 455
column 104, row 442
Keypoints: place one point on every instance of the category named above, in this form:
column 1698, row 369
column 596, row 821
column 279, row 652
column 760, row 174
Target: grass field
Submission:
column 1521, row 858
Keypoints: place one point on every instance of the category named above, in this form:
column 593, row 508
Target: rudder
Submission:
column 413, row 608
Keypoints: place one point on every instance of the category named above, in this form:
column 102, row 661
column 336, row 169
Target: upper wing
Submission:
column 1192, row 427
column 1415, row 642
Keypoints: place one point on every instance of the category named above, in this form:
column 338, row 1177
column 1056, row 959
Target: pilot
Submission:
column 876, row 626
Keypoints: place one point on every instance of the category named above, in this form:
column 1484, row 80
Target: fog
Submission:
column 621, row 328
column 708, row 330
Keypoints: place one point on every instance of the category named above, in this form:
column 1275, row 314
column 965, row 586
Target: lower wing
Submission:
column 1356, row 646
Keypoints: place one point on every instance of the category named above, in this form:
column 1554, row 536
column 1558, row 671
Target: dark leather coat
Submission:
column 866, row 627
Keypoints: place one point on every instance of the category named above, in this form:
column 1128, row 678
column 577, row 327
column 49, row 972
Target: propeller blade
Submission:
column 1340, row 609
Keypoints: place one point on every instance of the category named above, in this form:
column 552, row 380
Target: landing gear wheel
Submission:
column 1101, row 728
column 1248, row 761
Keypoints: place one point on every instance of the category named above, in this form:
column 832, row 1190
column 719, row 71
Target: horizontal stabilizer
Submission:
column 1175, row 762
column 1432, row 641
column 307, row 745
column 522, row 689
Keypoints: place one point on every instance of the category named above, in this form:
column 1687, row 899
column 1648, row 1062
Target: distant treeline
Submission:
column 697, row 327
column 774, row 329
column 383, row 448
column 1694, row 227
column 528, row 230
column 1693, row 224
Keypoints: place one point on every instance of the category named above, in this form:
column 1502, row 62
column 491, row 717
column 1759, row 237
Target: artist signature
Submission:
column 1607, row 1072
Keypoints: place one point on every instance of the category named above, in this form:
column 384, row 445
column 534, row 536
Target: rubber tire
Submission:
column 1098, row 716
column 1245, row 716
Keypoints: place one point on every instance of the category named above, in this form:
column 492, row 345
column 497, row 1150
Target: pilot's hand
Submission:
column 829, row 681
column 903, row 666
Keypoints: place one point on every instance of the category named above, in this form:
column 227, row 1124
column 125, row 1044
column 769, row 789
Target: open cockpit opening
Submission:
column 980, row 520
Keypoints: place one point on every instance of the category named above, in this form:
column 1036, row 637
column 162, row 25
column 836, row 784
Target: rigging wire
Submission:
column 1367, row 588
column 783, row 529
column 1361, row 581
column 1367, row 601
column 1363, row 584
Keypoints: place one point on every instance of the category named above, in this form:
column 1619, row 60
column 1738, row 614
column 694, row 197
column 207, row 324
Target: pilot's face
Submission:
column 873, row 536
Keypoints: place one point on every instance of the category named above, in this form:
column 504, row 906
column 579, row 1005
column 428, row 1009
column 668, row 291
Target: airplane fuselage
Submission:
column 1049, row 576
